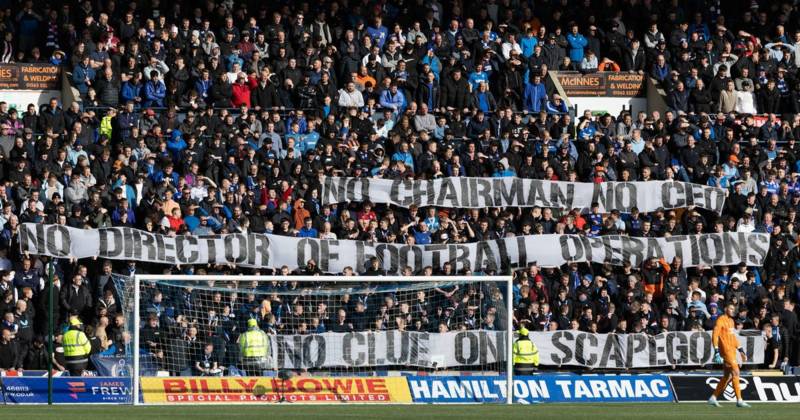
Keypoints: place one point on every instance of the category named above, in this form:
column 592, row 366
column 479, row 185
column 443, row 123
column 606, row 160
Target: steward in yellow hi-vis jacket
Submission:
column 77, row 348
column 526, row 355
column 254, row 349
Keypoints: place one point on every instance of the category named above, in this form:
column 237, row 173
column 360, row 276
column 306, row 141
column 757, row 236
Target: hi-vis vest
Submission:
column 525, row 352
column 254, row 344
column 76, row 344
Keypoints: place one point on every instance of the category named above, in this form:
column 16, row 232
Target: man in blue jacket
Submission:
column 577, row 43
column 83, row 75
column 176, row 145
column 557, row 106
column 528, row 42
column 393, row 99
column 125, row 121
column 203, row 85
column 27, row 277
column 154, row 91
column 308, row 230
column 535, row 95
column 378, row 32
column 132, row 90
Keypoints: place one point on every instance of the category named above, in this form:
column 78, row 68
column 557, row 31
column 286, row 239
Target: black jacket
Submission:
column 10, row 357
column 75, row 301
column 36, row 359
column 221, row 94
column 423, row 91
column 700, row 101
column 265, row 96
column 455, row 93
column 108, row 91
column 553, row 54
column 631, row 62
column 52, row 119
column 769, row 101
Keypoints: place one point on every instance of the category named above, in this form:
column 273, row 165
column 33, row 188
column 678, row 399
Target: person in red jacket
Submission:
column 241, row 90
column 175, row 220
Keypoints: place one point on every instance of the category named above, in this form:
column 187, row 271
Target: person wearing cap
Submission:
column 241, row 89
column 253, row 349
column 525, row 353
column 76, row 347
column 731, row 168
column 300, row 213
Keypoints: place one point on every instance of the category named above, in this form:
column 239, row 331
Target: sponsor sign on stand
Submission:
column 541, row 388
column 22, row 84
column 182, row 390
column 608, row 84
column 30, row 77
column 67, row 390
column 754, row 388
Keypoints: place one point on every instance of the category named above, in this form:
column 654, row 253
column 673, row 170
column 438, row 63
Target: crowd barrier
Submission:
column 416, row 389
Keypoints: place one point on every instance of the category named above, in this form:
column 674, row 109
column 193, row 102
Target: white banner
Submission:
column 388, row 348
column 264, row 250
column 463, row 192
column 478, row 347
column 611, row 351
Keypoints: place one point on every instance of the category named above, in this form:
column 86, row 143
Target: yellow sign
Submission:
column 301, row 389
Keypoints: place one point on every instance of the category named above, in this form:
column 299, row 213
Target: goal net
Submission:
column 240, row 339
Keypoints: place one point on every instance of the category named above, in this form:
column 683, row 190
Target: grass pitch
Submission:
column 728, row 411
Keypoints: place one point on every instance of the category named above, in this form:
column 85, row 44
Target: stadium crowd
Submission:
column 221, row 117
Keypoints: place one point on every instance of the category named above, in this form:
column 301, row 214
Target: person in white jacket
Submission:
column 746, row 224
column 746, row 99
column 509, row 46
column 350, row 97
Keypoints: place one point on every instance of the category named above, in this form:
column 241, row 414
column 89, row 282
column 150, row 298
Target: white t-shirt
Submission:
column 745, row 102
column 199, row 193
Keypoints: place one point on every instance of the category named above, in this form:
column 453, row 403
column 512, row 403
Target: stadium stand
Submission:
column 221, row 118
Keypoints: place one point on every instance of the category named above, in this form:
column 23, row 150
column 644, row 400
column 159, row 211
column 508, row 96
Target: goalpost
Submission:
column 331, row 338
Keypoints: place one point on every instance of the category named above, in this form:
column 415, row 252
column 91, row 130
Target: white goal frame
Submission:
column 508, row 280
